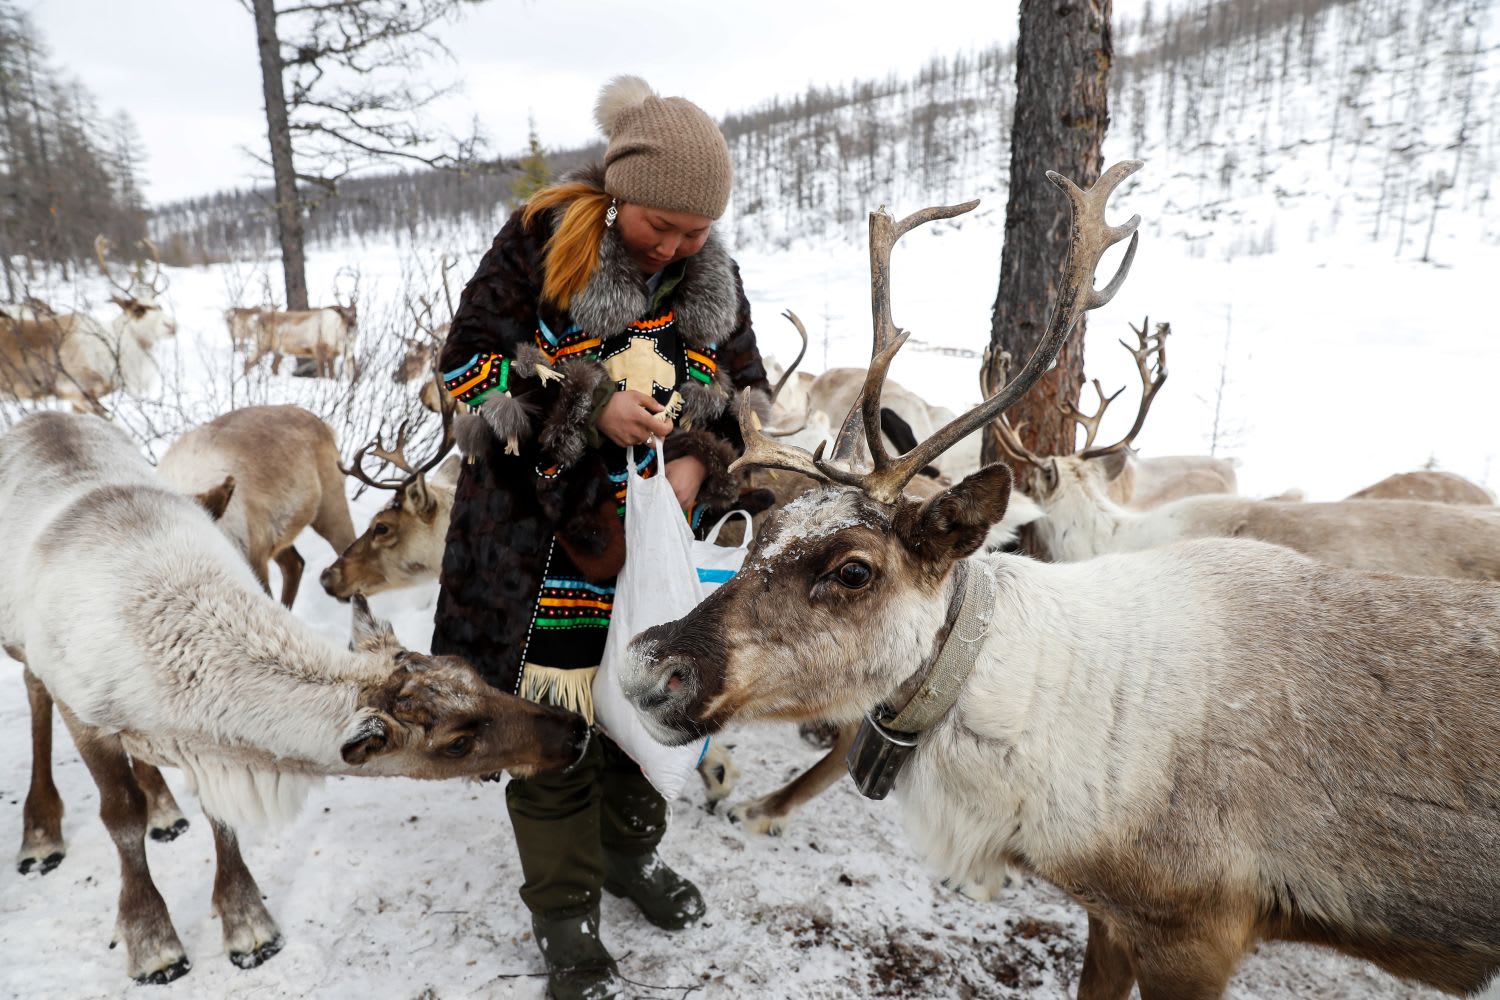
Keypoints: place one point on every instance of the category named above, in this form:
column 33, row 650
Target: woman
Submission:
column 606, row 313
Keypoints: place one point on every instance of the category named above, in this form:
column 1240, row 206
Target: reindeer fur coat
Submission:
column 514, row 514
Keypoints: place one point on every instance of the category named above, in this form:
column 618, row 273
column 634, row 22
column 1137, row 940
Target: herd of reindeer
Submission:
column 1210, row 719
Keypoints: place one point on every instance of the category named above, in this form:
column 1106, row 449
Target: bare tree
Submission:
column 1063, row 60
column 334, row 73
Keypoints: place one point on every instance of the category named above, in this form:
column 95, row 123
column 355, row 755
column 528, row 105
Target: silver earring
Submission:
column 612, row 214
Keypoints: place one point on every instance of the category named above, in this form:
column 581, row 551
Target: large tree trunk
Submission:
column 1062, row 109
column 288, row 203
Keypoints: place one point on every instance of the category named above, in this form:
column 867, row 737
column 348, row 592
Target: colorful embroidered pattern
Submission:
column 572, row 342
column 569, row 603
column 482, row 376
column 702, row 365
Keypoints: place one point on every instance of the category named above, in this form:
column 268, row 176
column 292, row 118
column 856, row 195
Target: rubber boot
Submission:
column 578, row 965
column 667, row 899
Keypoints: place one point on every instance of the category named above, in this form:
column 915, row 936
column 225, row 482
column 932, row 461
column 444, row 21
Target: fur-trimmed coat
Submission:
column 555, row 501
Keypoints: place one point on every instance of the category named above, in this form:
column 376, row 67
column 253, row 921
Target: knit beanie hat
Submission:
column 664, row 152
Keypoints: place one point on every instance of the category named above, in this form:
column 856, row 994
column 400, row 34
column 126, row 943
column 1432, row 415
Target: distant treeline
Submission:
column 1188, row 83
column 68, row 173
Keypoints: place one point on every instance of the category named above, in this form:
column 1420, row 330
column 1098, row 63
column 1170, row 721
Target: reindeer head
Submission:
column 434, row 717
column 141, row 315
column 845, row 590
column 403, row 545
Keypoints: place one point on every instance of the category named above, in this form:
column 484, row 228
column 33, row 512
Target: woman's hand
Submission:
column 686, row 474
column 628, row 419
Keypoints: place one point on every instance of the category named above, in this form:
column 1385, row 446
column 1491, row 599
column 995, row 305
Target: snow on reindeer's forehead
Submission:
column 811, row 517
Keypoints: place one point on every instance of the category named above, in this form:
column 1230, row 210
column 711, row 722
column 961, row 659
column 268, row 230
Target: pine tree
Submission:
column 535, row 174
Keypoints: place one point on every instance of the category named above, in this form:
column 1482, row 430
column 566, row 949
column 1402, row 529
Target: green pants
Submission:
column 565, row 822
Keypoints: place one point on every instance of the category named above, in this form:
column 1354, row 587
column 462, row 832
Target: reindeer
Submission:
column 1412, row 537
column 72, row 356
column 835, row 391
column 285, row 465
column 322, row 334
column 140, row 617
column 1204, row 745
column 1427, row 484
column 403, row 544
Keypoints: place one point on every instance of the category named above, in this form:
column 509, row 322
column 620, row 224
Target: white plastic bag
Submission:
column 657, row 584
column 715, row 563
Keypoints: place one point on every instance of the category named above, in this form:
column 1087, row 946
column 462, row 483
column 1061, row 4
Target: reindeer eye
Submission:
column 459, row 747
column 855, row 574
column 382, row 528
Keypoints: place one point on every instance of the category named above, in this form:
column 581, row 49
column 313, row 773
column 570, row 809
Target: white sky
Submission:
column 187, row 70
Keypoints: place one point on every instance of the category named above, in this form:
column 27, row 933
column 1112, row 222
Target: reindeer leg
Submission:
column 164, row 818
column 290, row 562
column 153, row 952
column 771, row 813
column 718, row 773
column 1107, row 972
column 250, row 934
column 1192, row 968
column 42, row 846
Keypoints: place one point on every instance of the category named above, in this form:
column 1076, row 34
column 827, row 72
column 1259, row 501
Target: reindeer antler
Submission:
column 396, row 456
column 1090, row 421
column 791, row 368
column 1091, row 237
column 1153, row 377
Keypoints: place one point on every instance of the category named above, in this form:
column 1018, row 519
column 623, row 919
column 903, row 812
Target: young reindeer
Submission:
column 139, row 616
column 1081, row 521
column 403, row 544
column 1204, row 745
column 285, row 465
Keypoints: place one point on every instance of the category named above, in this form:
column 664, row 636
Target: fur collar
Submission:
column 705, row 300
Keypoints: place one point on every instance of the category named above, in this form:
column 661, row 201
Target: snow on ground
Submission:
column 1345, row 367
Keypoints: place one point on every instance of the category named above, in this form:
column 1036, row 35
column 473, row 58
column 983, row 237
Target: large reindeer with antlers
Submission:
column 1204, row 745
column 1082, row 520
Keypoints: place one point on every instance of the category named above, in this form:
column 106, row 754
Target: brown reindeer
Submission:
column 323, row 334
column 285, row 465
column 1204, row 745
column 1427, row 484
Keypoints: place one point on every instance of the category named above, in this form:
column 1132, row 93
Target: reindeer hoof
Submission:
column 172, row 832
column 744, row 815
column 42, row 865
column 250, row 959
column 161, row 977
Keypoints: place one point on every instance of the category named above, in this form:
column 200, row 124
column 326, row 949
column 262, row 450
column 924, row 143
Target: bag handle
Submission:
column 713, row 533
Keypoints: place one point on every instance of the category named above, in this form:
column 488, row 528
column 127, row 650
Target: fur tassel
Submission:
column 701, row 404
column 617, row 97
column 509, row 418
column 565, row 432
column 571, row 689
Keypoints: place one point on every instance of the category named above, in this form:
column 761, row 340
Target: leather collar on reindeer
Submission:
column 887, row 738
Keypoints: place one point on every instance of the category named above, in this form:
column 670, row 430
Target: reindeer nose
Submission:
column 675, row 682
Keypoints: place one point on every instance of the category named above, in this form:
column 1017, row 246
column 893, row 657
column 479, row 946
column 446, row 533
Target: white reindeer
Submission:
column 1204, row 745
column 141, row 618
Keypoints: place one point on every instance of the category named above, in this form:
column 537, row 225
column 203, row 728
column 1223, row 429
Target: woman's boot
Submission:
column 666, row 898
column 578, row 965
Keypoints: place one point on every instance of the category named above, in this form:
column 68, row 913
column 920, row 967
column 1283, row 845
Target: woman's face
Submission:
column 655, row 237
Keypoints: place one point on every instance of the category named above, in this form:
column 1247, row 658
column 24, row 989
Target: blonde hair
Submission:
column 573, row 249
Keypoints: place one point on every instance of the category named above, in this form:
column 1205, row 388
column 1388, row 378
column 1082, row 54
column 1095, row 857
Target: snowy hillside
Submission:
column 1298, row 173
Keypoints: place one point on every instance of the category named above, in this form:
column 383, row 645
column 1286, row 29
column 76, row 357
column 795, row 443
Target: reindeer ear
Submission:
column 216, row 500
column 1113, row 464
column 955, row 522
column 417, row 499
column 371, row 634
column 370, row 737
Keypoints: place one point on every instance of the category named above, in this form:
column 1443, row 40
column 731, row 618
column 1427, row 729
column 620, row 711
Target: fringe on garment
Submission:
column 569, row 688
